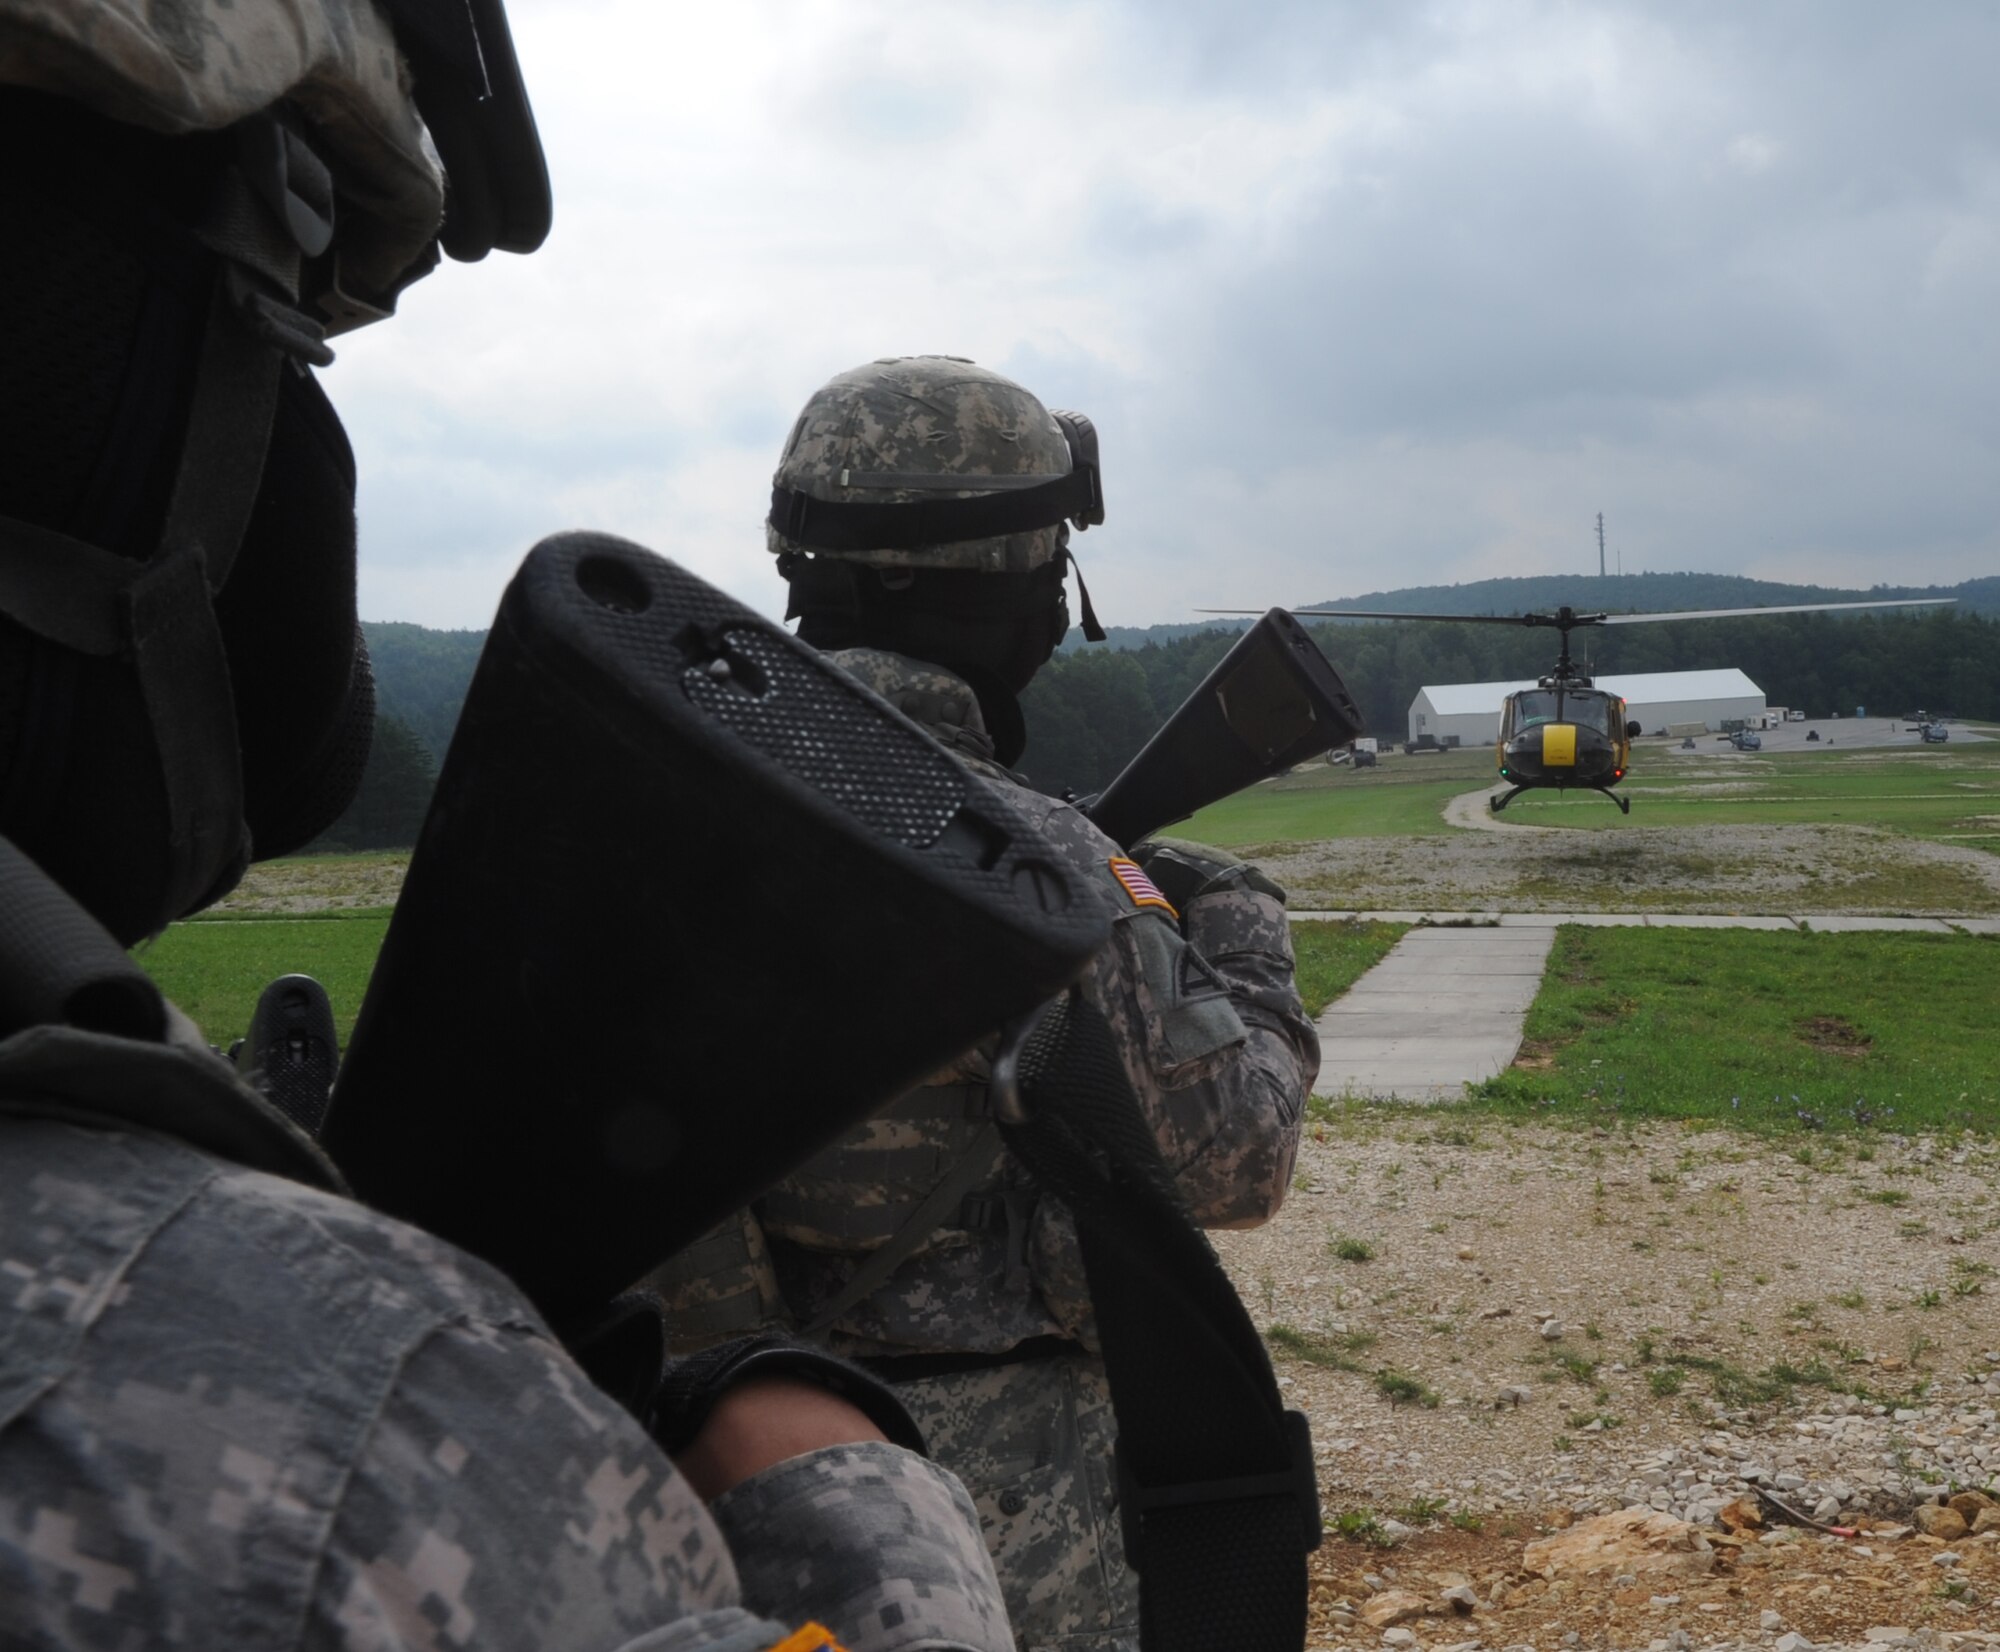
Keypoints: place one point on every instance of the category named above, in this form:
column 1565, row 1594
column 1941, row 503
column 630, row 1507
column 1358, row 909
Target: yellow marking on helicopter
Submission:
column 1559, row 745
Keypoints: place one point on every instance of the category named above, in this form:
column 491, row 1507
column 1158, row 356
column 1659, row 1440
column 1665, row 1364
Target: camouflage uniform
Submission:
column 1222, row 1057
column 237, row 1410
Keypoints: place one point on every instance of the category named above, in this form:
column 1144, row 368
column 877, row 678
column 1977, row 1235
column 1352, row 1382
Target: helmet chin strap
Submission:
column 1092, row 631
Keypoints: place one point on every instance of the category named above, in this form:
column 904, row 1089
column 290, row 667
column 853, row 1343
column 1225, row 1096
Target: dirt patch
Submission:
column 1831, row 1035
column 1830, row 1590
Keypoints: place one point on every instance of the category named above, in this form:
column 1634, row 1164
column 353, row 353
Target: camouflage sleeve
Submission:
column 1230, row 1108
column 881, row 1546
column 1256, row 1099
column 500, row 1500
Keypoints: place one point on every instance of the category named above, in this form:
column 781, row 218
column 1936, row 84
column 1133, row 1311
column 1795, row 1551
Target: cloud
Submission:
column 1359, row 296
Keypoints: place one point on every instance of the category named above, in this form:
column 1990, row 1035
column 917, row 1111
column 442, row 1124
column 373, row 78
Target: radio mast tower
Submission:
column 1600, row 544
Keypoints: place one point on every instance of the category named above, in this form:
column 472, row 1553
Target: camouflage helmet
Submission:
column 383, row 101
column 933, row 462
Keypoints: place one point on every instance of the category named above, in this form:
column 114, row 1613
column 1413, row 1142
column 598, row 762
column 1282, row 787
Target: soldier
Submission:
column 237, row 1409
column 919, row 514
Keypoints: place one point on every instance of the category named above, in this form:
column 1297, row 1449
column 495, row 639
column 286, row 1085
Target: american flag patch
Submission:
column 1140, row 887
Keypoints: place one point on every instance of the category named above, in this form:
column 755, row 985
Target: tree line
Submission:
column 1093, row 706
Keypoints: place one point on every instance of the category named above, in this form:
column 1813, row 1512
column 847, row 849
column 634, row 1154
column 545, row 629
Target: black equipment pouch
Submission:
column 689, row 901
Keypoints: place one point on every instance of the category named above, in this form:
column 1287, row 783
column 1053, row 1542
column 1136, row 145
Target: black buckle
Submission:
column 983, row 1213
column 285, row 327
column 1008, row 1213
column 1299, row 1480
column 290, row 179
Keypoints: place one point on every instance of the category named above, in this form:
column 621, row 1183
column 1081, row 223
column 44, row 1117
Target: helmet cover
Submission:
column 916, row 430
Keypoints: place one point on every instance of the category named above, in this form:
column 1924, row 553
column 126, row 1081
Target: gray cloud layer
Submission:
column 1360, row 296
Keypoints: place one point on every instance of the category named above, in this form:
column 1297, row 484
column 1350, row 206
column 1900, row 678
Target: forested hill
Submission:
column 421, row 677
column 1646, row 593
column 1092, row 708
column 1613, row 593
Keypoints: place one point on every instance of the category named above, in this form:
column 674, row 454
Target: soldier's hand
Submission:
column 730, row 1411
column 1183, row 871
column 761, row 1422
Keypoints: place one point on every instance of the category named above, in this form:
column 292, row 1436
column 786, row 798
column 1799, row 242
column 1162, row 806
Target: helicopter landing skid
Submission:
column 1501, row 800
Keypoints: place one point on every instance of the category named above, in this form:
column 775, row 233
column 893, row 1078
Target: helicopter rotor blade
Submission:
column 1376, row 613
column 1576, row 620
column 1793, row 608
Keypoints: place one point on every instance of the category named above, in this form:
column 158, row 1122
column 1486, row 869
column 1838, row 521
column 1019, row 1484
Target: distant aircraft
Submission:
column 1563, row 733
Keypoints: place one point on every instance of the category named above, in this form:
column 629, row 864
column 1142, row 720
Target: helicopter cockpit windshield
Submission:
column 1540, row 705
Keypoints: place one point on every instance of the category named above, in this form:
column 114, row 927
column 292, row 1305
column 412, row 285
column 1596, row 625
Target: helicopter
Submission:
column 1563, row 733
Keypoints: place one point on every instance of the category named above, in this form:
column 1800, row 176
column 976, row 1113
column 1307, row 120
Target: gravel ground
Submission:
column 280, row 886
column 1592, row 1321
column 1751, row 869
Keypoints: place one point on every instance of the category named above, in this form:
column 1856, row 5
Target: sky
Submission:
column 1359, row 296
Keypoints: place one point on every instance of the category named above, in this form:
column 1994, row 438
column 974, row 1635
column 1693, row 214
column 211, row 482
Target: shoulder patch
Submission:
column 1132, row 877
column 812, row 1638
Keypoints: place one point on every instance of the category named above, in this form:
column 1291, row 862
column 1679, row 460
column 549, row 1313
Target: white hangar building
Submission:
column 1470, row 712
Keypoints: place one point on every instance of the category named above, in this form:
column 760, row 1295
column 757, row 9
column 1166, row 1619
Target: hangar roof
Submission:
column 1647, row 687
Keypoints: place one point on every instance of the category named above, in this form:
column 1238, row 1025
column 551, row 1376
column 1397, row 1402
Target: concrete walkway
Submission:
column 1442, row 1011
column 1444, row 1008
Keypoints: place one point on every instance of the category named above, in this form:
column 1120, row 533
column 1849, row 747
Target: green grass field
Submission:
column 1333, row 956
column 215, row 971
column 1400, row 797
column 1947, row 793
column 1766, row 1029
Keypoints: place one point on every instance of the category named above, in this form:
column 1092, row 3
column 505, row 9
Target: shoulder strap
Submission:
column 59, row 965
column 1217, row 1489
column 967, row 1172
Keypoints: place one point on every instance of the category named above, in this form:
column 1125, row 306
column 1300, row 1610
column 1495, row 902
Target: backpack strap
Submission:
column 1218, row 1493
column 59, row 965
